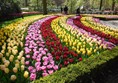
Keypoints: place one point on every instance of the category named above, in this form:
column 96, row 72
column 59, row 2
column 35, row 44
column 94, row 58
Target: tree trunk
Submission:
column 44, row 6
column 113, row 5
column 37, row 5
column 100, row 5
column 26, row 3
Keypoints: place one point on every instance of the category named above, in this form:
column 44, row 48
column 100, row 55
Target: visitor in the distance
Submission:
column 66, row 10
column 78, row 11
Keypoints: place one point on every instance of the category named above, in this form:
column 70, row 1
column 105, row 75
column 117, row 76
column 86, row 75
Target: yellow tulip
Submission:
column 1, row 55
column 15, row 70
column 6, row 70
column 22, row 67
column 2, row 67
column 26, row 74
column 13, row 77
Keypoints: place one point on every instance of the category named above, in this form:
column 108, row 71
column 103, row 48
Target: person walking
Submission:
column 61, row 10
column 78, row 11
column 66, row 10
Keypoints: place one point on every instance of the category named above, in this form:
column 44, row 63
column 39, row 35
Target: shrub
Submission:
column 83, row 68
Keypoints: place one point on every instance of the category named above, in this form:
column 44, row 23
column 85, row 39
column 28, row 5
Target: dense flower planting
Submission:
column 30, row 51
column 62, row 55
column 12, row 59
column 104, row 32
column 39, row 60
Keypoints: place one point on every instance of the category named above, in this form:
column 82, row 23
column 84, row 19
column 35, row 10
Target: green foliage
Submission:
column 7, row 8
column 71, row 72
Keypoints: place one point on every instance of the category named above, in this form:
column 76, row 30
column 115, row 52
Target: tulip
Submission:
column 11, row 58
column 3, row 59
column 27, row 62
column 2, row 67
column 32, row 76
column 30, row 68
column 28, row 56
column 55, row 67
column 43, row 67
column 13, row 77
column 26, row 74
column 1, row 55
column 49, row 66
column 80, row 59
column 15, row 70
column 6, row 63
column 45, row 74
column 17, row 65
column 6, row 70
column 50, row 71
column 22, row 67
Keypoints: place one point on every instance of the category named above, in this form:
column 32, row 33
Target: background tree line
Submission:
column 12, row 6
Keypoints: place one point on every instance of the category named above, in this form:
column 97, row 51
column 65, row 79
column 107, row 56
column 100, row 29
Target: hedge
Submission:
column 77, row 71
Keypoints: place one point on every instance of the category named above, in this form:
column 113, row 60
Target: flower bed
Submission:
column 102, row 31
column 12, row 59
column 103, row 17
column 54, row 46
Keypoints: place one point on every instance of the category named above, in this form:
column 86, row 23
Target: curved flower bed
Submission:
column 63, row 56
column 52, row 43
column 97, row 26
column 94, row 31
column 12, row 59
column 81, row 44
column 39, row 60
column 109, row 45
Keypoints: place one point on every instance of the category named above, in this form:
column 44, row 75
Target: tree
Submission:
column 113, row 5
column 100, row 4
column 44, row 6
column 58, row 2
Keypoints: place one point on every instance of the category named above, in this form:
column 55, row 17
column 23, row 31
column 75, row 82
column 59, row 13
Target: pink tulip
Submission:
column 49, row 66
column 45, row 58
column 27, row 56
column 37, row 64
column 45, row 62
column 48, row 54
column 34, row 57
column 32, row 76
column 46, row 49
column 45, row 74
column 43, row 52
column 38, row 59
column 30, row 68
column 33, row 71
column 55, row 67
column 40, row 49
column 43, row 67
column 50, row 71
column 52, row 62
column 27, row 62
column 38, row 68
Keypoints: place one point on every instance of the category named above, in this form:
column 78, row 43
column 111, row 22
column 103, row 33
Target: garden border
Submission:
column 75, row 73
